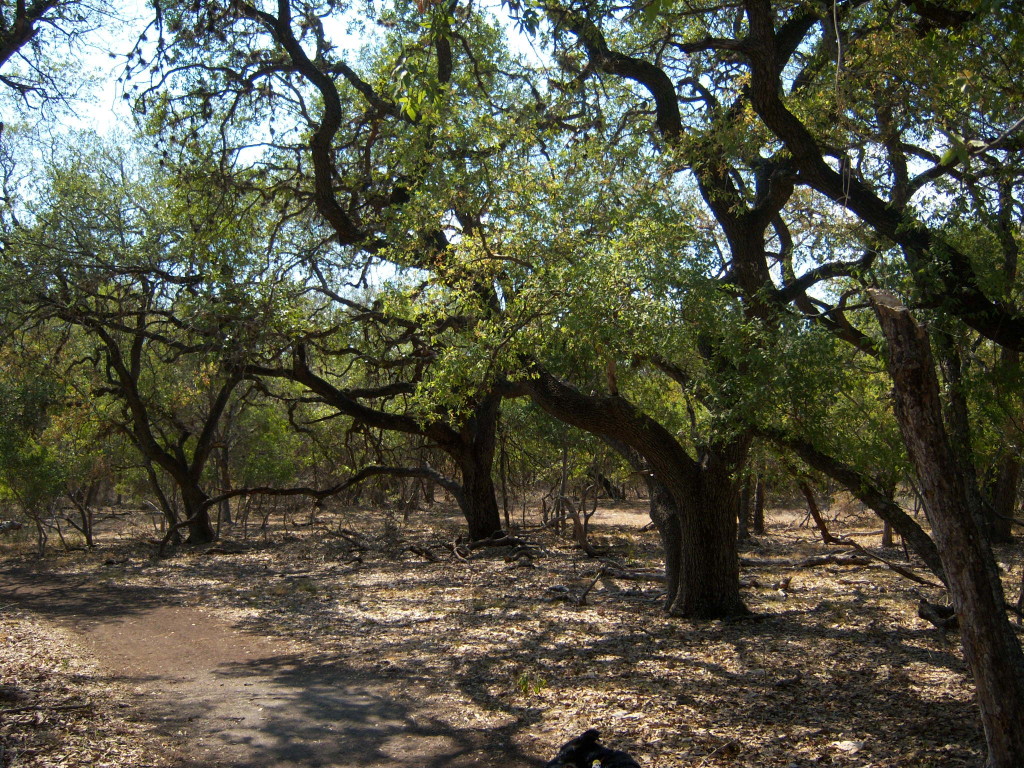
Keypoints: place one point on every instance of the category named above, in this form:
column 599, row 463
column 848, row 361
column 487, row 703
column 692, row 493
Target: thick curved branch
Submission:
column 365, row 473
column 15, row 36
column 865, row 489
column 602, row 58
column 321, row 143
column 960, row 289
column 343, row 401
column 827, row 271
column 608, row 416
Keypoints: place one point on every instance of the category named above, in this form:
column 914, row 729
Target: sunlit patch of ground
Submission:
column 834, row 668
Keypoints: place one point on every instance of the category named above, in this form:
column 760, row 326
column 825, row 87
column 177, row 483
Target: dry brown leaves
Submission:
column 56, row 709
column 833, row 669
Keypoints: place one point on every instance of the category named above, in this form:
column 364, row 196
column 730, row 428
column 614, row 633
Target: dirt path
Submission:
column 227, row 697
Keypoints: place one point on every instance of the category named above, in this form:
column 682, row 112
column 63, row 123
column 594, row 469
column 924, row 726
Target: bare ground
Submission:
column 336, row 645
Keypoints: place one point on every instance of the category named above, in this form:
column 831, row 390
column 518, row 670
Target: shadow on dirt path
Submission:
column 231, row 699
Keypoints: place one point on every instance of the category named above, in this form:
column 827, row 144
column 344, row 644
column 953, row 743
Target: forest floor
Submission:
column 373, row 641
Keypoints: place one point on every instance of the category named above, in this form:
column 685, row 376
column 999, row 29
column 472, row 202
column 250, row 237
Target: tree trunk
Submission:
column 479, row 504
column 709, row 561
column 759, row 507
column 990, row 646
column 703, row 494
column 700, row 565
column 665, row 515
column 1004, row 497
column 746, row 502
column 170, row 514
column 197, row 514
column 473, row 452
column 224, row 462
column 886, row 535
column 957, row 420
column 470, row 445
column 815, row 513
column 503, row 473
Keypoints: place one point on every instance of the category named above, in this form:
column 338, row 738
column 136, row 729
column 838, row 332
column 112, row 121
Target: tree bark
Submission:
column 886, row 534
column 1004, row 497
column 479, row 505
column 473, row 452
column 700, row 495
column 197, row 514
column 991, row 648
column 759, row 491
column 958, row 423
column 709, row 561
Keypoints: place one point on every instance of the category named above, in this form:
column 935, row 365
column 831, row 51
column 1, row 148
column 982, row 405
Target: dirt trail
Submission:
column 229, row 698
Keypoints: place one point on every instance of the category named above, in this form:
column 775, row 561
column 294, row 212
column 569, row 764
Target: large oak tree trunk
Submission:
column 697, row 518
column 474, row 454
column 197, row 516
column 990, row 645
column 709, row 562
column 479, row 504
column 699, row 539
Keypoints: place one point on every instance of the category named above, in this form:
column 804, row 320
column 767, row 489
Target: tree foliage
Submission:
column 661, row 227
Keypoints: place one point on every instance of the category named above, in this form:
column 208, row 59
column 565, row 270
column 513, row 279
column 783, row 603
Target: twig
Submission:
column 582, row 599
column 905, row 572
column 47, row 707
column 709, row 755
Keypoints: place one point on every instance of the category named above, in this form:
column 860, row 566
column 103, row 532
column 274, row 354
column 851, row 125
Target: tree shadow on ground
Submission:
column 316, row 710
column 78, row 598
column 262, row 708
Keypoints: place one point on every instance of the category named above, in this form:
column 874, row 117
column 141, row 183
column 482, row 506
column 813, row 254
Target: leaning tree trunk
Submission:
column 990, row 645
column 704, row 570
